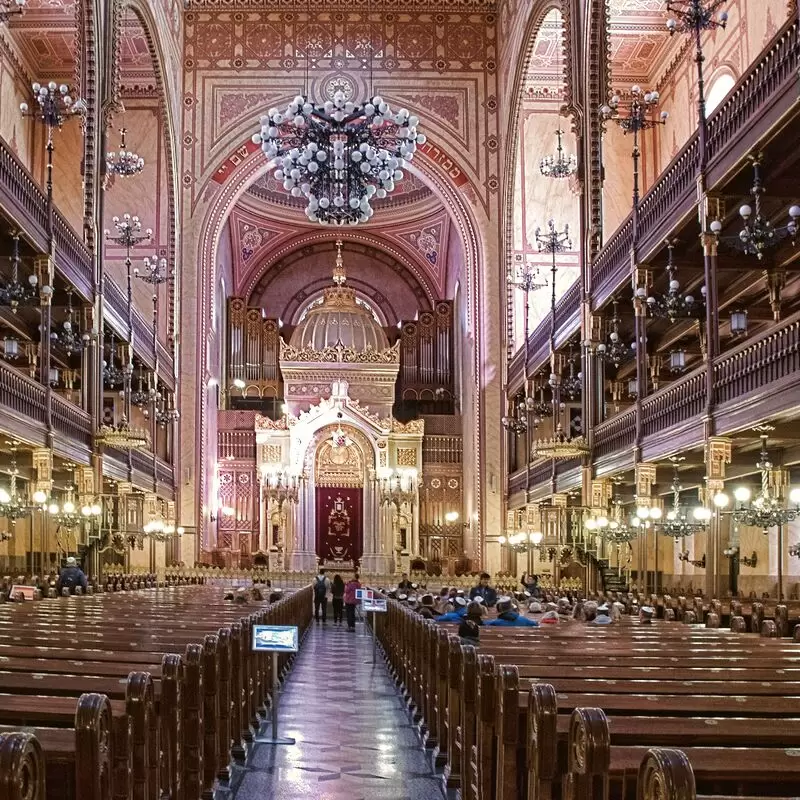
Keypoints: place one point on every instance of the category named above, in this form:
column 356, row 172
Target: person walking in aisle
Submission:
column 350, row 602
column 322, row 587
column 337, row 593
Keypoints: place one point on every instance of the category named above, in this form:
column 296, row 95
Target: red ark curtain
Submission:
column 339, row 534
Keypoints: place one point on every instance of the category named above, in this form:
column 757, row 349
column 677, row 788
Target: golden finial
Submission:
column 339, row 276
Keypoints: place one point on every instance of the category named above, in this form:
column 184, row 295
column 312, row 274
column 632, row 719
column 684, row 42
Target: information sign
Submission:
column 275, row 638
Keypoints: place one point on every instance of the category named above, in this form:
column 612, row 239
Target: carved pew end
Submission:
column 665, row 774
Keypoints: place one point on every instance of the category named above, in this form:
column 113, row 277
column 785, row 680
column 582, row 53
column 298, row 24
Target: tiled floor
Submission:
column 354, row 738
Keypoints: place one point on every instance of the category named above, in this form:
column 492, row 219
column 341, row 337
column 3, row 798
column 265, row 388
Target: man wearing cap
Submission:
column 71, row 577
column 426, row 609
column 483, row 590
column 457, row 614
column 508, row 616
column 603, row 615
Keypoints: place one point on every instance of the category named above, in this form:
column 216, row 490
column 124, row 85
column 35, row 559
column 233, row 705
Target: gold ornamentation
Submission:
column 414, row 426
column 339, row 354
column 271, row 454
column 267, row 424
column 406, row 457
column 339, row 466
column 123, row 436
column 557, row 448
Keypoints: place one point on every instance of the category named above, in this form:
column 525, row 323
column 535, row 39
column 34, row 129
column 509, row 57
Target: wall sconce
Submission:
column 683, row 555
column 738, row 323
column 730, row 552
column 701, row 563
column 10, row 347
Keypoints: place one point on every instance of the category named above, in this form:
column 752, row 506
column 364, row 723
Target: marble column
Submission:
column 304, row 558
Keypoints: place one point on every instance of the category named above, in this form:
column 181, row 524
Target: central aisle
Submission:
column 354, row 739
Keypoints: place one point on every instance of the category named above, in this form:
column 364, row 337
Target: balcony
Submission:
column 442, row 450
column 761, row 97
column 26, row 204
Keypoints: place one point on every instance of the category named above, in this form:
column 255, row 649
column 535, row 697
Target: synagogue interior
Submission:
column 406, row 293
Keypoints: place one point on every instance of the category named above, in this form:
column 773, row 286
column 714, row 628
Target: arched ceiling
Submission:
column 289, row 283
column 412, row 225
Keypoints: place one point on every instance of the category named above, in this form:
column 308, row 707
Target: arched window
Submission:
column 719, row 86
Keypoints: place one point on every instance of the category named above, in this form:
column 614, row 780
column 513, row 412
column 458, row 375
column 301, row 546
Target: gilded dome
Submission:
column 339, row 321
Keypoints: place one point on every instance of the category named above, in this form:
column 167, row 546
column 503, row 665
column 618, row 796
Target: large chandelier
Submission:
column 123, row 436
column 68, row 336
column 339, row 155
column 694, row 16
column 13, row 505
column 615, row 527
column 681, row 521
column 560, row 165
column 67, row 515
column 614, row 350
column 768, row 508
column 123, row 162
column 13, row 292
column 572, row 384
column 160, row 530
column 560, row 445
column 758, row 234
column 516, row 421
column 673, row 305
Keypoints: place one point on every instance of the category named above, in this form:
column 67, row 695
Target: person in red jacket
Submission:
column 350, row 601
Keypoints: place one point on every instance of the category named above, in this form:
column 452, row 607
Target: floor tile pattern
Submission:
column 354, row 737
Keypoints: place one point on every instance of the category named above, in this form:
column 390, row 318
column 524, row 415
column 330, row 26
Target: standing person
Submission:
column 405, row 584
column 321, row 588
column 337, row 593
column 350, row 602
column 488, row 593
column 71, row 577
column 531, row 584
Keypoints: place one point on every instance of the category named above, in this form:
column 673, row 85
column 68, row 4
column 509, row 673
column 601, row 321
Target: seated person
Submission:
column 588, row 611
column 457, row 614
column 646, row 614
column 531, row 584
column 603, row 616
column 469, row 629
column 71, row 577
column 509, row 616
column 483, row 590
column 549, row 618
column 427, row 609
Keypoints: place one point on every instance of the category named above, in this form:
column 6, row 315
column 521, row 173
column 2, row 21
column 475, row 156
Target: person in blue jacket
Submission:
column 488, row 593
column 603, row 615
column 508, row 616
column 457, row 614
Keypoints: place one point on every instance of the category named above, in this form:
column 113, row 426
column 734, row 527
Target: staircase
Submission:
column 612, row 580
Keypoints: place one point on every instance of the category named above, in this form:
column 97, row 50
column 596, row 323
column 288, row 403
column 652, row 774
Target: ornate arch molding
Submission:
column 570, row 109
column 210, row 228
column 86, row 57
column 368, row 451
column 148, row 23
column 315, row 242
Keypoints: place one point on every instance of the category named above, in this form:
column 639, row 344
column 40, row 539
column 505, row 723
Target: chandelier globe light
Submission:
column 123, row 162
column 339, row 155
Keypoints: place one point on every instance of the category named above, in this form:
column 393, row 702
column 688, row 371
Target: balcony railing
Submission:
column 680, row 402
column 615, row 434
column 165, row 472
column 755, row 366
column 21, row 395
column 26, row 203
column 442, row 450
column 517, row 482
column 70, row 421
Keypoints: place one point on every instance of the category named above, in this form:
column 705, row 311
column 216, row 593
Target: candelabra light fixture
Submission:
column 516, row 421
column 692, row 16
column 521, row 542
column 113, row 375
column 681, row 520
column 572, row 384
column 559, row 165
column 68, row 335
column 673, row 304
column 123, row 436
column 398, row 486
column 617, row 530
column 768, row 508
column 14, row 292
column 339, row 155
column 155, row 270
column 123, row 162
column 13, row 504
column 614, row 350
column 758, row 234
column 55, row 104
column 160, row 530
